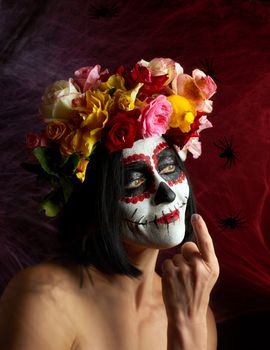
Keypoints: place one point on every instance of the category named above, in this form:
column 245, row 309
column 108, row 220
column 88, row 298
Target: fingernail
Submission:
column 194, row 217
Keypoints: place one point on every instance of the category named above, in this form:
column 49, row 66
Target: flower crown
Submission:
column 152, row 99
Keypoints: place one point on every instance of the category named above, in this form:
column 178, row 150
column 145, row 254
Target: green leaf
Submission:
column 67, row 187
column 71, row 164
column 48, row 158
column 51, row 204
column 63, row 161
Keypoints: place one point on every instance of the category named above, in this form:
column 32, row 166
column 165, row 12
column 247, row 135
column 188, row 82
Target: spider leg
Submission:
column 237, row 215
column 230, row 142
column 226, row 143
column 220, row 144
column 222, row 226
column 227, row 164
column 230, row 162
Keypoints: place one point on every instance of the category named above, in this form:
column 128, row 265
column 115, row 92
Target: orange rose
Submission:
column 66, row 146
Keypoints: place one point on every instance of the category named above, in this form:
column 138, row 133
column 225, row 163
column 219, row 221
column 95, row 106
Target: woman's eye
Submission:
column 168, row 169
column 136, row 183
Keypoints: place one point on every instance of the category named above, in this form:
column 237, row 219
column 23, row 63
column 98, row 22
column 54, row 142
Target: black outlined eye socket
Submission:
column 138, row 179
column 167, row 165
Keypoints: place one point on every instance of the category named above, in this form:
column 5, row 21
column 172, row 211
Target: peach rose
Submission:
column 163, row 66
column 198, row 88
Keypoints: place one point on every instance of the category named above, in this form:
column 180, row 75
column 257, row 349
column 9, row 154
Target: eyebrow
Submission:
column 166, row 153
column 136, row 166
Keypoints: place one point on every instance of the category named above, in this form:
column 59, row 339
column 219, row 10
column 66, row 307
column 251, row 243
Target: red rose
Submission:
column 177, row 137
column 139, row 74
column 36, row 140
column 121, row 131
column 152, row 84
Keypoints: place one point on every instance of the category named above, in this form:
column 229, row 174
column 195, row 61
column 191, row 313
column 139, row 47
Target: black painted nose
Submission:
column 164, row 194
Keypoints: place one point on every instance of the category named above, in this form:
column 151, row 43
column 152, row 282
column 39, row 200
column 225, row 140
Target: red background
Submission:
column 45, row 41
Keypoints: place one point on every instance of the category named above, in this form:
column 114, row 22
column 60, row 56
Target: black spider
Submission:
column 228, row 152
column 208, row 67
column 103, row 10
column 232, row 222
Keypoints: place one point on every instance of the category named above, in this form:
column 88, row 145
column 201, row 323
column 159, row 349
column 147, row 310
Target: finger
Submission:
column 190, row 251
column 167, row 267
column 204, row 240
column 178, row 259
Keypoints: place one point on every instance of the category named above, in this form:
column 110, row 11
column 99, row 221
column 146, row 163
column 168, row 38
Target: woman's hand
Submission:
column 187, row 280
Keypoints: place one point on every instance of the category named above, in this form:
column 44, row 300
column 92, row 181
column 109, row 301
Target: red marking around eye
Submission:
column 157, row 150
column 136, row 199
column 179, row 180
column 136, row 158
column 140, row 197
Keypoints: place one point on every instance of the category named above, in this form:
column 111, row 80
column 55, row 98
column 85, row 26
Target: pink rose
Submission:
column 87, row 77
column 155, row 117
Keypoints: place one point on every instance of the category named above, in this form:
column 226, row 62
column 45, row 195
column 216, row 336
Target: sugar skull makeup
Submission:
column 156, row 193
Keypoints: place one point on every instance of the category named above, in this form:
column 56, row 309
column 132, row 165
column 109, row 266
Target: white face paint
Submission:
column 156, row 193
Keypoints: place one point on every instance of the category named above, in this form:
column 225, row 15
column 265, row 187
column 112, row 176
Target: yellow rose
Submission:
column 127, row 99
column 97, row 100
column 56, row 103
column 94, row 114
column 55, row 130
column 115, row 81
column 184, row 113
column 84, row 140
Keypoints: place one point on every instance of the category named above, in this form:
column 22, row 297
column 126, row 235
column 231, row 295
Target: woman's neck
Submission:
column 144, row 288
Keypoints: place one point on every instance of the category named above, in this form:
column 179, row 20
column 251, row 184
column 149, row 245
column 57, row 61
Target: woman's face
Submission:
column 156, row 193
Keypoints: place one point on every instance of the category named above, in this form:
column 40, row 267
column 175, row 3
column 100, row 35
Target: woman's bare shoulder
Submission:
column 33, row 305
column 45, row 277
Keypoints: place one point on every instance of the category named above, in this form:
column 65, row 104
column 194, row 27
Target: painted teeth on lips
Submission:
column 168, row 218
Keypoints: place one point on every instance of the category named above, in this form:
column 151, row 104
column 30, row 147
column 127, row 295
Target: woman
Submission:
column 117, row 135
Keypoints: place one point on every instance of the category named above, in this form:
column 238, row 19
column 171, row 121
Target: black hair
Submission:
column 191, row 204
column 90, row 223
